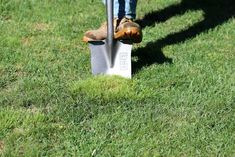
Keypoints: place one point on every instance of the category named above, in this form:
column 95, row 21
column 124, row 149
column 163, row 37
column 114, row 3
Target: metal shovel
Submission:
column 110, row 56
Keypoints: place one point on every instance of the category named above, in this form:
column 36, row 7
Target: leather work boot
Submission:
column 100, row 33
column 128, row 30
column 124, row 29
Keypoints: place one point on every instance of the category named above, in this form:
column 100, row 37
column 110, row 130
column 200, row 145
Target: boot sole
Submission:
column 87, row 39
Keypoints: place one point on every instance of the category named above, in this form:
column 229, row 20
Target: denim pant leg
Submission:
column 130, row 8
column 124, row 8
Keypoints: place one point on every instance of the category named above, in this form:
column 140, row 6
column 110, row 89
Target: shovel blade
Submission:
column 118, row 64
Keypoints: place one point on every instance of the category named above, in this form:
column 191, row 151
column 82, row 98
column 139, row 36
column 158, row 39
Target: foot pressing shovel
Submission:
column 111, row 57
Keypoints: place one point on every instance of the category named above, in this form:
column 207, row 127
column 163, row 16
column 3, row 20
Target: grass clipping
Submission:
column 104, row 88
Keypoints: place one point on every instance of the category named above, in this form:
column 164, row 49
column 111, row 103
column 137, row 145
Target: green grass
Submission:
column 180, row 102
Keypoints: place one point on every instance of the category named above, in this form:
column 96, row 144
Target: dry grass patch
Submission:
column 26, row 41
column 40, row 26
column 1, row 146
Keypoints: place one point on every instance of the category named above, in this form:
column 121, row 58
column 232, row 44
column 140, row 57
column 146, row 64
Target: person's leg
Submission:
column 125, row 28
column 130, row 9
column 124, row 8
column 101, row 33
column 118, row 8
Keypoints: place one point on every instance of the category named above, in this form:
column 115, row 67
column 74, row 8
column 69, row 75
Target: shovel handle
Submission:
column 110, row 29
column 109, row 10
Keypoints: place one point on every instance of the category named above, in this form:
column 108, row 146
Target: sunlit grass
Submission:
column 51, row 105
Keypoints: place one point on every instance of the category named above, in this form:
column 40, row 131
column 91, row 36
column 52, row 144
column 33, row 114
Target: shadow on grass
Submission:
column 216, row 12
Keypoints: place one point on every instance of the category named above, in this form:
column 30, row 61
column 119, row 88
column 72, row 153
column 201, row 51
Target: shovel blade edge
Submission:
column 121, row 59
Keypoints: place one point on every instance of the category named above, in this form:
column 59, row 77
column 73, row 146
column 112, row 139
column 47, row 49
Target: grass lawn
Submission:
column 180, row 102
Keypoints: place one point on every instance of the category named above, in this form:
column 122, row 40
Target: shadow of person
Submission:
column 216, row 12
